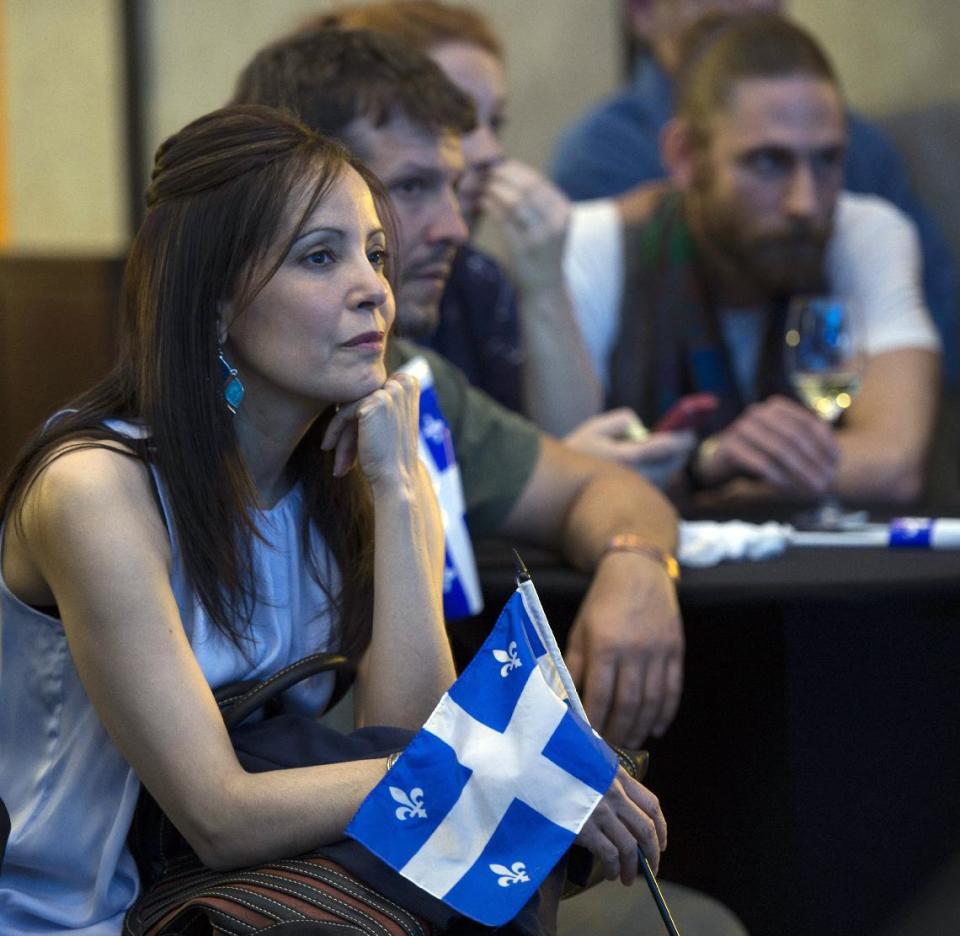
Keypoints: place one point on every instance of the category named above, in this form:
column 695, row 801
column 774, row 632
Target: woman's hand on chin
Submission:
column 381, row 431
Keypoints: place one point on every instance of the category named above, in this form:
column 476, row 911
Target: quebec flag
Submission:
column 461, row 584
column 494, row 788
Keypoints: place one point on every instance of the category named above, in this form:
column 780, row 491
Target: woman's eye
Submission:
column 378, row 257
column 319, row 257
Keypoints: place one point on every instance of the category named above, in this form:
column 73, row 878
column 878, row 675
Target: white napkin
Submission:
column 707, row 542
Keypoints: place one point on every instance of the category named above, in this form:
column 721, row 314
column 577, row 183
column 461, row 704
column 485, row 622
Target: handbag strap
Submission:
column 239, row 700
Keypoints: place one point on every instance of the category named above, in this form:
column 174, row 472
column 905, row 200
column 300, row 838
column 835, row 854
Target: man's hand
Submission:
column 618, row 435
column 777, row 441
column 534, row 216
column 625, row 650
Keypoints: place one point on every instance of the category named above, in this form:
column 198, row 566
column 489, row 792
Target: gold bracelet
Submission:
column 392, row 759
column 630, row 542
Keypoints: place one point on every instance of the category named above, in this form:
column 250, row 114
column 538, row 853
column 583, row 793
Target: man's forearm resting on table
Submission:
column 617, row 501
column 577, row 503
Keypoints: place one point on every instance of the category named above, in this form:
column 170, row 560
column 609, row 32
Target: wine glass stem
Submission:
column 830, row 510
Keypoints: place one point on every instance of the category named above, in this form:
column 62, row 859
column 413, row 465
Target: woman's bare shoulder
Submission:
column 83, row 473
column 88, row 497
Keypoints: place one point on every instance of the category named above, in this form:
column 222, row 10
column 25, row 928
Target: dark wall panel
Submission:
column 57, row 335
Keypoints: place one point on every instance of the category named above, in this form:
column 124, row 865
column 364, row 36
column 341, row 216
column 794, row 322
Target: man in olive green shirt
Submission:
column 397, row 111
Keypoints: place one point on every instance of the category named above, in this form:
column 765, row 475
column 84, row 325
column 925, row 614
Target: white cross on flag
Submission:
column 495, row 787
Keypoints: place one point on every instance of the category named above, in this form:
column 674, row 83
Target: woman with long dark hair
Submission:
column 205, row 514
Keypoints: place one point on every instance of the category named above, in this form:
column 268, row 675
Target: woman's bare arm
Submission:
column 408, row 664
column 94, row 535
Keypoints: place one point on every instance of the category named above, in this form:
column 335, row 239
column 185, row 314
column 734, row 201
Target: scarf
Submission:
column 670, row 341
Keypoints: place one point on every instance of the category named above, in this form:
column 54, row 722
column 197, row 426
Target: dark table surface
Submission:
column 810, row 776
column 797, row 573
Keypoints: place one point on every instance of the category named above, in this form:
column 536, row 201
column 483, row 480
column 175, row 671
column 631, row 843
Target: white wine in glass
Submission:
column 829, row 394
column 824, row 362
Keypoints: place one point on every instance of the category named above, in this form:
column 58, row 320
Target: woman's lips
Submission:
column 371, row 340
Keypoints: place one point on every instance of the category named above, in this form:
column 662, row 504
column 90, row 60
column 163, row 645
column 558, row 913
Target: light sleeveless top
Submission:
column 70, row 793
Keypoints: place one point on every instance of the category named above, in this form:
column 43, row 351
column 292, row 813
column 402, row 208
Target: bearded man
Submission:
column 704, row 266
column 614, row 146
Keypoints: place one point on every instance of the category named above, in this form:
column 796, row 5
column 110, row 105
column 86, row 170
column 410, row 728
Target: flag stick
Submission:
column 665, row 915
column 539, row 619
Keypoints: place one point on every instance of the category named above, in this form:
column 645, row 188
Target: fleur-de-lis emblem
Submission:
column 434, row 429
column 508, row 658
column 412, row 804
column 515, row 874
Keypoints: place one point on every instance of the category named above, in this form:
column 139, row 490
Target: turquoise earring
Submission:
column 233, row 390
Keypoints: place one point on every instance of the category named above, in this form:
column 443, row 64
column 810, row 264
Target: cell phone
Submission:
column 689, row 412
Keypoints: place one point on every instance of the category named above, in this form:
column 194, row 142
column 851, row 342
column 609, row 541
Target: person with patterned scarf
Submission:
column 692, row 296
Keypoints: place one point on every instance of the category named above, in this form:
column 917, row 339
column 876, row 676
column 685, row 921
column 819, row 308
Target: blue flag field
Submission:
column 495, row 787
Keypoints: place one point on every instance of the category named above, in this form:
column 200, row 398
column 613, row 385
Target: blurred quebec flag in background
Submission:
column 495, row 787
column 461, row 584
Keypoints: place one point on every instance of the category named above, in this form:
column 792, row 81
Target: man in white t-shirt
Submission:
column 683, row 286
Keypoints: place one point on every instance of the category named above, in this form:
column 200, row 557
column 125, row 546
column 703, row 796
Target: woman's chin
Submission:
column 362, row 388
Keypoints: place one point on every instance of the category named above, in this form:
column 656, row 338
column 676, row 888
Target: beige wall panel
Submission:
column 898, row 62
column 64, row 93
column 4, row 129
column 892, row 54
column 562, row 56
column 197, row 47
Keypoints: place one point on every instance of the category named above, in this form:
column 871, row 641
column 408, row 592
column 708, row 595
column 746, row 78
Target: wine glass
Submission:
column 824, row 361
